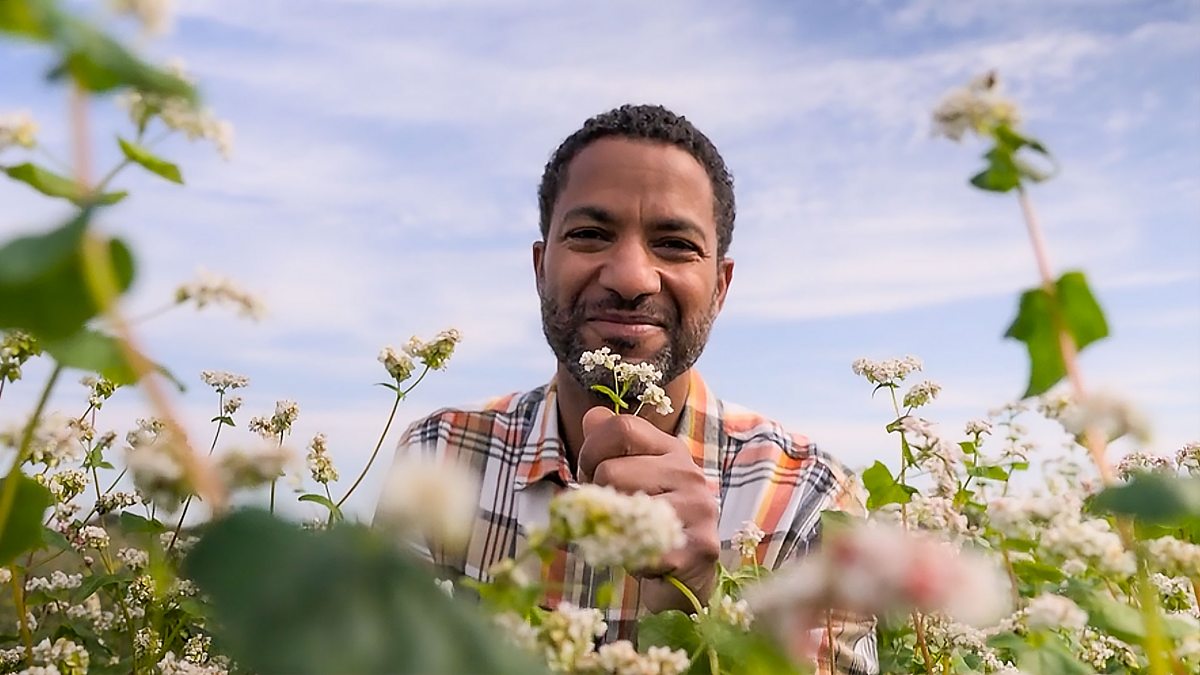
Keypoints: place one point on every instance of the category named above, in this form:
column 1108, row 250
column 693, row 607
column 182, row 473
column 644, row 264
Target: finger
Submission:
column 638, row 473
column 595, row 417
column 620, row 436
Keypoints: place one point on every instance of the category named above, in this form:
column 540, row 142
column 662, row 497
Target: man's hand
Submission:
column 631, row 455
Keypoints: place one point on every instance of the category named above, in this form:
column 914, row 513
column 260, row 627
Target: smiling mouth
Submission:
column 624, row 327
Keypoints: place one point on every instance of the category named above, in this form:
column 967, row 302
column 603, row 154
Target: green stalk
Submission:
column 714, row 664
column 10, row 482
column 374, row 453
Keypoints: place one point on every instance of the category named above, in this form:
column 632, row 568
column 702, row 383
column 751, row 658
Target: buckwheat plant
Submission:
column 642, row 377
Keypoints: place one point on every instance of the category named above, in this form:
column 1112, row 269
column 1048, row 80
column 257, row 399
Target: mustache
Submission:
column 662, row 314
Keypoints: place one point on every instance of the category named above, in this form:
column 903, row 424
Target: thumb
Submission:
column 595, row 417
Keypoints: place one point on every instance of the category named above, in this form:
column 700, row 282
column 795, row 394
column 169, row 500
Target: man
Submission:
column 637, row 214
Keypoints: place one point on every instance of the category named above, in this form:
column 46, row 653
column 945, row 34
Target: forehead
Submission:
column 638, row 180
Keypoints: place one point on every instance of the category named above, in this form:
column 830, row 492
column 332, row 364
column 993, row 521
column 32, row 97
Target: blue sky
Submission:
column 384, row 177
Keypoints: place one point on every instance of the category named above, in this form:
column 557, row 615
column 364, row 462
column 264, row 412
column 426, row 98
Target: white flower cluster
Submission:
column 937, row 456
column 747, row 539
column 568, row 635
column 93, row 536
column 1176, row 593
column 878, row 569
column 625, row 374
column 66, row 485
column 1142, row 462
column 156, row 471
column 113, row 501
column 179, row 113
column 223, row 381
column 621, row 658
column 246, row 469
column 1099, row 650
column 1108, row 414
column 57, row 439
column 101, row 389
column 1174, row 557
column 430, row 499
column 1090, row 540
column 154, row 15
column 950, row 635
column 921, row 394
column 398, row 364
column 57, row 581
column 656, row 396
column 209, row 288
column 977, row 107
column 602, row 358
column 736, row 613
column 890, row 371
column 1053, row 612
column 17, row 128
column 15, row 349
column 231, row 405
column 929, row 512
column 280, row 423
column 977, row 427
column 613, row 529
column 62, row 657
column 436, row 352
column 320, row 464
column 134, row 558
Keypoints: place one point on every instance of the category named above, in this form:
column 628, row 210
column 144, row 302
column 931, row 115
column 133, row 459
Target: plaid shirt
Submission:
column 756, row 470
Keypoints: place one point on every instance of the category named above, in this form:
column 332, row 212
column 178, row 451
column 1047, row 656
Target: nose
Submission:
column 630, row 272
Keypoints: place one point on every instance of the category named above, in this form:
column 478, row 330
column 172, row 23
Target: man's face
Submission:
column 630, row 260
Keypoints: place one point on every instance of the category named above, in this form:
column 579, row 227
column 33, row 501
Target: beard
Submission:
column 685, row 339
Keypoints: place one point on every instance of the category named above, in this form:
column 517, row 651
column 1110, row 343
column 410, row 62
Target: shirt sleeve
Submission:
column 427, row 438
column 848, row 642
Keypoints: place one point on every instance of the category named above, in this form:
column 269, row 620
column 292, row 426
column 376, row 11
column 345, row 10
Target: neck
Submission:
column 574, row 400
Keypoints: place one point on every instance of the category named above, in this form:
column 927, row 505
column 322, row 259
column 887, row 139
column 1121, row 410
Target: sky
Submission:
column 384, row 175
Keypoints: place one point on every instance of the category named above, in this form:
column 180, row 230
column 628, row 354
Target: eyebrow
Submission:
column 591, row 213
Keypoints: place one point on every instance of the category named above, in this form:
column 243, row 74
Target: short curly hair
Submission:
column 653, row 123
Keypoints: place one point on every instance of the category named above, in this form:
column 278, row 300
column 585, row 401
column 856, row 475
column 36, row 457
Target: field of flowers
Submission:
column 975, row 557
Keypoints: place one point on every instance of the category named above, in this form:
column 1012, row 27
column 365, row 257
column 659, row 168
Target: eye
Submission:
column 680, row 246
column 585, row 233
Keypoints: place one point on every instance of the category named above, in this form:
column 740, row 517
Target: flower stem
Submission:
column 10, row 482
column 1093, row 440
column 387, row 427
column 213, row 446
column 18, row 587
column 714, row 663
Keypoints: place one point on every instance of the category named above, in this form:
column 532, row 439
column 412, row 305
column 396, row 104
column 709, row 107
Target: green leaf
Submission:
column 151, row 163
column 882, row 488
column 1001, row 175
column 612, row 395
column 133, row 523
column 1122, row 621
column 1075, row 308
column 34, row 19
column 54, row 538
column 95, row 582
column 671, row 628
column 326, row 502
column 388, row 385
column 42, row 284
column 991, row 472
column 365, row 608
column 100, row 353
column 99, row 63
column 23, row 529
column 1052, row 657
column 968, row 447
column 224, row 419
column 54, row 185
column 1153, row 498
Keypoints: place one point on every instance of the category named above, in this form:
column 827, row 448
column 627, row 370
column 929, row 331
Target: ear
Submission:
column 539, row 255
column 724, row 278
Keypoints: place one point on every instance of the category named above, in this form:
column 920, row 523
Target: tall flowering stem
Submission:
column 1095, row 441
column 400, row 394
column 101, row 282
